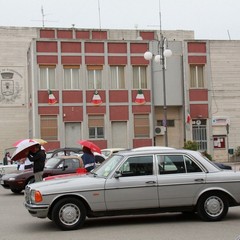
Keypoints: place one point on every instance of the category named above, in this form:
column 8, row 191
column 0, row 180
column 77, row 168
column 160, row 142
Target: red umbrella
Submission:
column 93, row 147
column 20, row 152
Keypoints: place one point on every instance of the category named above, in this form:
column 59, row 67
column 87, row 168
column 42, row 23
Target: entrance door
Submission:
column 72, row 134
column 119, row 135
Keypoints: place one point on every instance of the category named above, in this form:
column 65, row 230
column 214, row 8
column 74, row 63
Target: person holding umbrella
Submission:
column 88, row 159
column 38, row 157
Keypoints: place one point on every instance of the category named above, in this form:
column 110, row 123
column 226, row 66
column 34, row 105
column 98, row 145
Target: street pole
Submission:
column 164, row 93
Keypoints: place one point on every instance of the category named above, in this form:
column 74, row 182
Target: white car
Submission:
column 138, row 182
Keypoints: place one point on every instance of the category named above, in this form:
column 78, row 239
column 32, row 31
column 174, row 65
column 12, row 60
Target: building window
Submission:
column 196, row 76
column 96, row 126
column 47, row 77
column 117, row 77
column 139, row 77
column 170, row 123
column 141, row 125
column 94, row 77
column 71, row 77
column 49, row 127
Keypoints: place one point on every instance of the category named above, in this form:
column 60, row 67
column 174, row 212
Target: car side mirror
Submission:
column 117, row 174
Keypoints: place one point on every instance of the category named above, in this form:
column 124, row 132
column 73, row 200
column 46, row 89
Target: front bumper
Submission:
column 40, row 211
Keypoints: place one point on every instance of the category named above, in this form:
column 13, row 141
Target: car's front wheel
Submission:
column 212, row 207
column 16, row 190
column 69, row 214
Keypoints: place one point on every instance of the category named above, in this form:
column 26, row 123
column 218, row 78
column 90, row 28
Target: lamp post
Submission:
column 164, row 52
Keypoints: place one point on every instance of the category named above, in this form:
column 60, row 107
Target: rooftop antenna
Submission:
column 160, row 19
column 43, row 17
column 229, row 37
column 99, row 15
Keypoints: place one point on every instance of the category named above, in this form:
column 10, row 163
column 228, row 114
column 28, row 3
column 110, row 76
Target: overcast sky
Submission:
column 209, row 19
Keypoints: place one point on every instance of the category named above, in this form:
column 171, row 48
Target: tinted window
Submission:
column 137, row 166
column 172, row 164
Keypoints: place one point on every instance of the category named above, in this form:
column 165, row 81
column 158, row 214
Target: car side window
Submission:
column 191, row 166
column 72, row 163
column 137, row 166
column 171, row 164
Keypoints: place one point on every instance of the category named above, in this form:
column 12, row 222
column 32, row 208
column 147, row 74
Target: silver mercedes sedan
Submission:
column 137, row 182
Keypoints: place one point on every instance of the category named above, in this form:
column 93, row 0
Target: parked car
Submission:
column 67, row 151
column 137, row 182
column 57, row 165
column 5, row 169
column 107, row 152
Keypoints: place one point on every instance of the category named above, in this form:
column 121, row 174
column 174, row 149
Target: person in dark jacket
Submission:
column 38, row 157
column 88, row 159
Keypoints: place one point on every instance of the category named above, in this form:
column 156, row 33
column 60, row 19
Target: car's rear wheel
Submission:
column 69, row 214
column 16, row 190
column 213, row 206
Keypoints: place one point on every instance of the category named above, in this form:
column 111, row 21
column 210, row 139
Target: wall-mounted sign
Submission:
column 220, row 121
column 11, row 86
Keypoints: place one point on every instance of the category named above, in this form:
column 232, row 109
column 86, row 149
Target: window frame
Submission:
column 73, row 82
column 96, row 125
column 137, row 81
column 97, row 83
column 48, row 78
column 197, row 82
column 141, row 118
column 120, row 80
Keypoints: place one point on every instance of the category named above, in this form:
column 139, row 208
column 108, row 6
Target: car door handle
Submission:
column 200, row 180
column 150, row 182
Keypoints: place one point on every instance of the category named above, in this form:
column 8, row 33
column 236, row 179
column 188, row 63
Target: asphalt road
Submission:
column 17, row 224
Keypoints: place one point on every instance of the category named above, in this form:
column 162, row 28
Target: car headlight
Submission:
column 35, row 196
column 12, row 179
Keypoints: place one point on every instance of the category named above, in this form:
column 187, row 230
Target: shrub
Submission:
column 191, row 145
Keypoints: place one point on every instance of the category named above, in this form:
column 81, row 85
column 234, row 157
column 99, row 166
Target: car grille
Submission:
column 27, row 194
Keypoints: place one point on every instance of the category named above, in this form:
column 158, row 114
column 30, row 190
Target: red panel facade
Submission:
column 139, row 61
column 48, row 110
column 141, row 109
column 72, row 114
column 64, row 34
column 198, row 94
column 197, row 47
column 199, row 110
column 118, row 96
column 72, row 96
column 117, row 60
column 94, row 60
column 47, row 33
column 82, row 34
column 100, row 143
column 71, row 60
column 71, row 47
column 94, row 47
column 96, row 110
column 52, row 145
column 47, row 60
column 43, row 96
column 99, row 35
column 117, row 48
column 119, row 113
column 138, row 47
column 142, row 142
column 46, row 46
column 197, row 59
column 147, row 35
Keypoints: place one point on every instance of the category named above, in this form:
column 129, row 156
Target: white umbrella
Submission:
column 20, row 152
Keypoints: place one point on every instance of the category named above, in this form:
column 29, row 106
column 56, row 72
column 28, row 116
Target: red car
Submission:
column 61, row 165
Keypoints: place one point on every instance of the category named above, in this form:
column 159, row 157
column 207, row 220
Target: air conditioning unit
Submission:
column 160, row 130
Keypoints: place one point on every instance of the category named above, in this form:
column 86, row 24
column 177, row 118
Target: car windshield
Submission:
column 51, row 163
column 107, row 166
